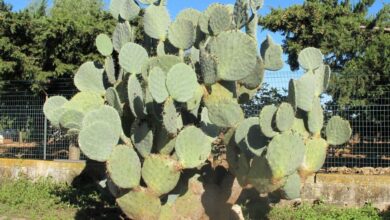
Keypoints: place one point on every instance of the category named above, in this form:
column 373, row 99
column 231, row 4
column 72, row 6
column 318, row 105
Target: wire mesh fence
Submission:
column 25, row 133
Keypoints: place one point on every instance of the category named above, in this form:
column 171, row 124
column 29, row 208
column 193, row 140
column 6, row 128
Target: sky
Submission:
column 175, row 6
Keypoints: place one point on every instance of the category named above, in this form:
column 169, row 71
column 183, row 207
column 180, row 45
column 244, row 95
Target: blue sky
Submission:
column 175, row 6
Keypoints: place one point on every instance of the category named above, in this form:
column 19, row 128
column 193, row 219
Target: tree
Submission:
column 40, row 48
column 357, row 47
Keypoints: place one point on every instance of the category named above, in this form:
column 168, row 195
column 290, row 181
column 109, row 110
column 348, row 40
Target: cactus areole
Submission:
column 154, row 110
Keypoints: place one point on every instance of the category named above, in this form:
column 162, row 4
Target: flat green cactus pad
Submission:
column 165, row 62
column 105, row 114
column 220, row 19
column 265, row 120
column 181, row 34
column 338, row 131
column 160, row 173
column 240, row 13
column 236, row 54
column 271, row 54
column 224, row 112
column 310, row 58
column 156, row 22
column 285, row 154
column 204, row 18
column 315, row 118
column 249, row 137
column 254, row 80
column 113, row 100
column 189, row 14
column 140, row 204
column 129, row 10
column 109, row 67
column 242, row 169
column 304, row 91
column 322, row 75
column 208, row 67
column 260, row 176
column 89, row 78
column 97, row 140
column 132, row 57
column 142, row 137
column 256, row 4
column 115, row 7
column 291, row 97
column 196, row 99
column 156, row 85
column 84, row 102
column 124, row 167
column 71, row 119
column 292, row 187
column 285, row 117
column 207, row 126
column 192, row 147
column 104, row 45
column 315, row 155
column 136, row 96
column 170, row 117
column 123, row 33
column 51, row 105
column 251, row 27
column 181, row 82
column 300, row 128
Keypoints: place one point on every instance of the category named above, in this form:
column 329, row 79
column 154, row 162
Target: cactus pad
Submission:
column 285, row 154
column 104, row 45
column 105, row 114
column 254, row 80
column 300, row 128
column 181, row 82
column 338, row 131
column 315, row 155
column 285, row 117
column 124, row 167
column 123, row 33
column 115, row 7
column 97, row 140
column 109, row 67
column 136, row 96
column 265, row 120
column 236, row 54
column 248, row 136
column 113, row 100
column 142, row 137
column 71, row 119
column 304, row 91
column 189, row 14
column 156, row 22
column 140, row 204
column 50, row 108
column 292, row 187
column 271, row 54
column 224, row 112
column 220, row 19
column 170, row 117
column 89, row 78
column 315, row 118
column 196, row 99
column 310, row 58
column 84, row 102
column 192, row 147
column 156, row 82
column 208, row 67
column 322, row 75
column 181, row 34
column 132, row 57
column 129, row 10
column 160, row 173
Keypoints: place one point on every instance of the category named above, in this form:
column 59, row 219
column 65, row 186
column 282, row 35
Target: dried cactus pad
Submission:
column 97, row 140
column 156, row 82
column 285, row 154
column 140, row 204
column 236, row 54
column 192, row 147
column 285, row 116
column 181, row 82
column 89, row 78
column 156, row 22
column 50, row 109
column 160, row 173
column 310, row 58
column 104, row 45
column 132, row 57
column 338, row 131
column 124, row 167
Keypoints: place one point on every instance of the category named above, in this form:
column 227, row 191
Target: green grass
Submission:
column 47, row 200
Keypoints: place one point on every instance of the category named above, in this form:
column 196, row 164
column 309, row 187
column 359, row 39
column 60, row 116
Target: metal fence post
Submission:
column 44, row 138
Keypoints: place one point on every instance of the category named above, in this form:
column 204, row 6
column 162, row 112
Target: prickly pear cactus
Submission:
column 155, row 109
